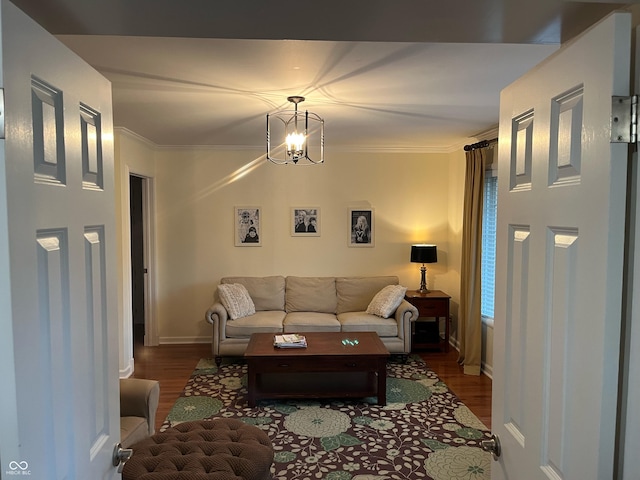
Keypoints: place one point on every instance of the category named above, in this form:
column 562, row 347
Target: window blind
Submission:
column 488, row 267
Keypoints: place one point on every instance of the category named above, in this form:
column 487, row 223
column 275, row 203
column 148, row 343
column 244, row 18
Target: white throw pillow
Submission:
column 235, row 298
column 387, row 300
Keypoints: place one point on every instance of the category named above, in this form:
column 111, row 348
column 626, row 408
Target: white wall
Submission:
column 133, row 154
column 416, row 197
column 197, row 190
column 455, row 199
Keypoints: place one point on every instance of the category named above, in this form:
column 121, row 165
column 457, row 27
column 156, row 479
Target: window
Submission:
column 488, row 268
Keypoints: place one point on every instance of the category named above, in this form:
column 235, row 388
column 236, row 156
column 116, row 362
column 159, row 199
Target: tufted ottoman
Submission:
column 221, row 449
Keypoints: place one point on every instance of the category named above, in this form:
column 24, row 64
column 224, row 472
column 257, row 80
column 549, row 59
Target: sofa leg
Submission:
column 404, row 358
column 218, row 361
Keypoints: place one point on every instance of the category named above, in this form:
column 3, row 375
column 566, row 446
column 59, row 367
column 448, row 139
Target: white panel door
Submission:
column 561, row 221
column 59, row 368
column 630, row 461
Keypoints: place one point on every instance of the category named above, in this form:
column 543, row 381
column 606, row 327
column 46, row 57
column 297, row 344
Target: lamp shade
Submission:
column 424, row 253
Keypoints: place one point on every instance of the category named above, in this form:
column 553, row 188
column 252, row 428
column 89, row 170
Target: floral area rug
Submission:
column 424, row 431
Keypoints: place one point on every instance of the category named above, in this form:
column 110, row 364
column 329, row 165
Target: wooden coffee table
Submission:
column 326, row 368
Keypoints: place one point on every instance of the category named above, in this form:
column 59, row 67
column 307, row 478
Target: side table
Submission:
column 434, row 304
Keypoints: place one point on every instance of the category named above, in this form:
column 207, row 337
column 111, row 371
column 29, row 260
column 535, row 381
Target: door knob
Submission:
column 120, row 456
column 492, row 446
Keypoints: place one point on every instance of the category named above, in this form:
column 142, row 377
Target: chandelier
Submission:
column 302, row 135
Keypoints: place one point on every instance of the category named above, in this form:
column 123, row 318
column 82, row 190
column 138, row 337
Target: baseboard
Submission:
column 487, row 370
column 183, row 340
column 128, row 370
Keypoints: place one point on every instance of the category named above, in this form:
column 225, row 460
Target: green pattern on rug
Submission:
column 423, row 432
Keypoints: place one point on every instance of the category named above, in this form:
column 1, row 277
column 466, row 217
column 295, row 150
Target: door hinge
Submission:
column 2, row 136
column 624, row 119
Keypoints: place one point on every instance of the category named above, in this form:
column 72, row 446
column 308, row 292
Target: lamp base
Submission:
column 423, row 280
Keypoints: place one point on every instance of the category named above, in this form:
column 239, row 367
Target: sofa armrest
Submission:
column 139, row 398
column 405, row 309
column 405, row 314
column 217, row 314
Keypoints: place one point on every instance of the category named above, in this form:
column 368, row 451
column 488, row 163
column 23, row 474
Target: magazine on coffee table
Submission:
column 292, row 340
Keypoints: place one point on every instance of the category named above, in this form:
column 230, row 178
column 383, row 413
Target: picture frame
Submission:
column 361, row 227
column 247, row 226
column 305, row 221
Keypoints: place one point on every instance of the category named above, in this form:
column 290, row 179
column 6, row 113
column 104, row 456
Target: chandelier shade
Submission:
column 294, row 136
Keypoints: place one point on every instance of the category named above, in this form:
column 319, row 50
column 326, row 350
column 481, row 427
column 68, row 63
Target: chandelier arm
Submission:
column 306, row 129
column 296, row 145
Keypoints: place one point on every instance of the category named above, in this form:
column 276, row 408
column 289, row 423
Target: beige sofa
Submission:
column 138, row 405
column 309, row 304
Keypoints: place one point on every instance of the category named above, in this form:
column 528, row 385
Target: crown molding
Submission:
column 131, row 134
column 254, row 148
column 487, row 134
column 342, row 149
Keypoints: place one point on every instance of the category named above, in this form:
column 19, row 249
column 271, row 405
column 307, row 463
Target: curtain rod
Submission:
column 482, row 144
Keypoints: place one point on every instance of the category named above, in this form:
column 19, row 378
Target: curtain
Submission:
column 469, row 317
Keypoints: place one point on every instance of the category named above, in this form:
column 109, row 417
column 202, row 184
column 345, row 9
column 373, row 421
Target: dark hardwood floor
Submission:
column 171, row 365
column 474, row 392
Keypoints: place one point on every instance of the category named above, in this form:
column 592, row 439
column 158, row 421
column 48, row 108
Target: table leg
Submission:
column 382, row 382
column 446, row 334
column 251, row 384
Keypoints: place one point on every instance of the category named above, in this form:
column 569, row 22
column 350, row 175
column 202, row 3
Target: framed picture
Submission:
column 305, row 222
column 247, row 224
column 361, row 227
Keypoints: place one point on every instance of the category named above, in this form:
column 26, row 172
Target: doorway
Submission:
column 138, row 269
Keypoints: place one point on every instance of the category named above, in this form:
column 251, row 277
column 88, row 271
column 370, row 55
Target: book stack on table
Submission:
column 292, row 340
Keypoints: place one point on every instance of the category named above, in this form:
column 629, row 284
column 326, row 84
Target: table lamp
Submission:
column 423, row 253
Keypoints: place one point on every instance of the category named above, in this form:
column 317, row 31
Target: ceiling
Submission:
column 401, row 75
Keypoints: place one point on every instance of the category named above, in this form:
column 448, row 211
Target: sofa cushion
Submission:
column 355, row 293
column 387, row 300
column 311, row 294
column 235, row 298
column 267, row 293
column 366, row 322
column 132, row 430
column 262, row 322
column 296, row 322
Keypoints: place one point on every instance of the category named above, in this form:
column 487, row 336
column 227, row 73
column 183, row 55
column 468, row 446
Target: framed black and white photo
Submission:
column 361, row 227
column 247, row 226
column 305, row 222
